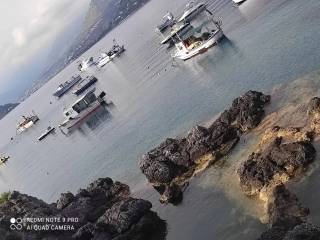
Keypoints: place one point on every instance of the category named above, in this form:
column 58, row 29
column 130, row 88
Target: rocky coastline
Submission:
column 284, row 153
column 169, row 166
column 103, row 211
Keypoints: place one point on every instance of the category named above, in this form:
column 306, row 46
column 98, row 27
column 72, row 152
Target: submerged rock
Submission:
column 277, row 163
column 169, row 166
column 104, row 210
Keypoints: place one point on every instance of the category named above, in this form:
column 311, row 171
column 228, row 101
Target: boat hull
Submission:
column 201, row 49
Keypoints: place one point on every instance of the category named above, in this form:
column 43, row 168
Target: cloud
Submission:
column 32, row 26
column 19, row 37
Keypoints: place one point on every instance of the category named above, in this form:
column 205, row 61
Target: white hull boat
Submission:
column 185, row 53
column 237, row 2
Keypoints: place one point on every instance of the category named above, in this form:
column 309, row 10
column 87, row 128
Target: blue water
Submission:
column 268, row 42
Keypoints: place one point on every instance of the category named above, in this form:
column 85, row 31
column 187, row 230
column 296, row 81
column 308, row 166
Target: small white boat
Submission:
column 27, row 123
column 191, row 11
column 86, row 64
column 195, row 33
column 114, row 52
column 238, row 1
column 198, row 46
column 168, row 20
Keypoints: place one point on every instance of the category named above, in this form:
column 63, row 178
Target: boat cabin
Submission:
column 80, row 105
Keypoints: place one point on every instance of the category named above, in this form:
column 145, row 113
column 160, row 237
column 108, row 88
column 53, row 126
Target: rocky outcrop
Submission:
column 314, row 114
column 288, row 218
column 104, row 210
column 282, row 154
column 275, row 164
column 169, row 166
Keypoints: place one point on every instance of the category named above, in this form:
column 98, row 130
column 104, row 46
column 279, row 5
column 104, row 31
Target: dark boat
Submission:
column 46, row 133
column 167, row 21
column 85, row 84
column 66, row 86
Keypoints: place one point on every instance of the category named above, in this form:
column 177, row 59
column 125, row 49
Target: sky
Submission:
column 28, row 29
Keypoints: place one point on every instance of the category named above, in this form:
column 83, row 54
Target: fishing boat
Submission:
column 46, row 133
column 85, row 64
column 195, row 33
column 80, row 110
column 27, row 122
column 4, row 159
column 114, row 52
column 168, row 20
column 66, row 86
column 85, row 84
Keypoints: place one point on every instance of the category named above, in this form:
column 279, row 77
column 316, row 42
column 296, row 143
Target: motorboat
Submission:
column 238, row 2
column 194, row 35
column 86, row 64
column 80, row 110
column 114, row 52
column 168, row 20
column 27, row 122
column 66, row 86
column 192, row 10
column 46, row 133
column 85, row 84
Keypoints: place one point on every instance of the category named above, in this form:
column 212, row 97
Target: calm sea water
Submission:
column 268, row 42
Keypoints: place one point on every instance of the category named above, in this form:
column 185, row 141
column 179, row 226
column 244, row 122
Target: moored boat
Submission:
column 46, row 133
column 80, row 110
column 195, row 33
column 114, row 52
column 66, row 86
column 85, row 64
column 85, row 84
column 168, row 20
column 27, row 122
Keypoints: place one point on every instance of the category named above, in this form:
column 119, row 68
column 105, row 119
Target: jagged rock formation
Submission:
column 282, row 154
column 169, row 166
column 104, row 210
column 314, row 114
column 275, row 164
column 288, row 218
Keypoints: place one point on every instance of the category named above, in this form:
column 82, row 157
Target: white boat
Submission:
column 194, row 35
column 114, row 52
column 27, row 123
column 104, row 59
column 80, row 110
column 86, row 64
column 238, row 1
column 191, row 11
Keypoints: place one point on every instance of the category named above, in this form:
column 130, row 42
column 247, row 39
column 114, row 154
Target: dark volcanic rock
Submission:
column 304, row 231
column 176, row 160
column 104, row 210
column 246, row 111
column 287, row 217
column 284, row 208
column 281, row 160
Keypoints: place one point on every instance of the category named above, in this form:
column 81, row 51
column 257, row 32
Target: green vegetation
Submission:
column 4, row 197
